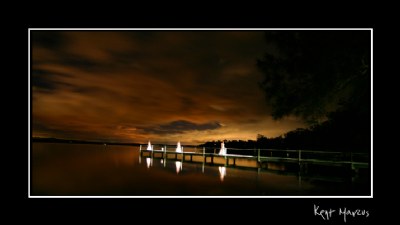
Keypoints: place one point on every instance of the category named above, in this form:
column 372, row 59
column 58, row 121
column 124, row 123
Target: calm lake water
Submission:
column 97, row 170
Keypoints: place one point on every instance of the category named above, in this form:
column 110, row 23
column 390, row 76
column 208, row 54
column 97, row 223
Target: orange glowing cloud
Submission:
column 134, row 86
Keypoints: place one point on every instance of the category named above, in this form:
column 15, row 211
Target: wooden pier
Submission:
column 302, row 158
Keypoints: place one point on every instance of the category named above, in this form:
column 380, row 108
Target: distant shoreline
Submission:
column 66, row 141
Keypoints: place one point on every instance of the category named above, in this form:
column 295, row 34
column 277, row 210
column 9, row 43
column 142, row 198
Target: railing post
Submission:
column 300, row 167
column 258, row 158
column 299, row 155
column 165, row 154
column 204, row 154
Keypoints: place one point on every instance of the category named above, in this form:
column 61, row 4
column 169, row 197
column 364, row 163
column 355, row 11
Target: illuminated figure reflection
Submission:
column 222, row 172
column 149, row 162
column 163, row 162
column 178, row 165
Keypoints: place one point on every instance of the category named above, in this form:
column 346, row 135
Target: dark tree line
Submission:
column 331, row 135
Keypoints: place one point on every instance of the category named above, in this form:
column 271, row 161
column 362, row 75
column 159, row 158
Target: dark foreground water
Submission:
column 97, row 170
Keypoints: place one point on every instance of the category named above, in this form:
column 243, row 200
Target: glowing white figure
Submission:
column 178, row 147
column 149, row 146
column 222, row 151
column 222, row 172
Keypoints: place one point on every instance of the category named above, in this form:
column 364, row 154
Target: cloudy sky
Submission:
column 164, row 86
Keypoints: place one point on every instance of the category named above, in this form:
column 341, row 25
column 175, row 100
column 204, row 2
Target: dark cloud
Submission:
column 82, row 63
column 126, row 59
column 42, row 81
column 47, row 80
column 181, row 126
column 48, row 39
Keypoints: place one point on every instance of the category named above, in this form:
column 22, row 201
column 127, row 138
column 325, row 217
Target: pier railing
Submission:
column 267, row 154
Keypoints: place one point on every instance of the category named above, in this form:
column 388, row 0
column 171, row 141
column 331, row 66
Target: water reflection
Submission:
column 178, row 165
column 75, row 170
column 163, row 162
column 222, row 172
column 149, row 162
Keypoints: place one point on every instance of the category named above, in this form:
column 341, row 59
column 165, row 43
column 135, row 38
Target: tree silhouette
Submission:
column 313, row 73
column 325, row 78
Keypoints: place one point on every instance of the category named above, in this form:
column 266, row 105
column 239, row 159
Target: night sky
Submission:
column 163, row 86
